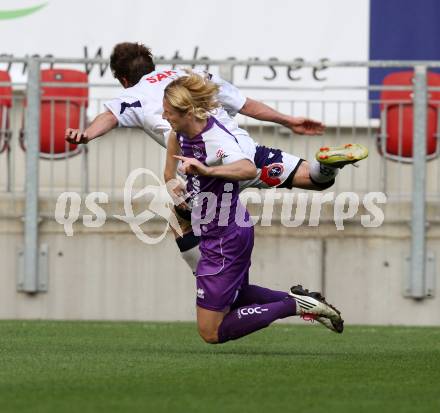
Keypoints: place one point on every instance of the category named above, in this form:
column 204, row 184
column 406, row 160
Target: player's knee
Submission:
column 208, row 335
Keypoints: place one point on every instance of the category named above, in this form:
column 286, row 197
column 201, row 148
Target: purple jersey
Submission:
column 214, row 201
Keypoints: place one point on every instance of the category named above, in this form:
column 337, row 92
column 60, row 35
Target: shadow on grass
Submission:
column 210, row 350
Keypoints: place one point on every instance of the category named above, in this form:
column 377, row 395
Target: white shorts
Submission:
column 275, row 169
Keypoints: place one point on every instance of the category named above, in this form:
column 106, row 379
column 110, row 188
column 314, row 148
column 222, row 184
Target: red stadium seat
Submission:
column 5, row 106
column 62, row 107
column 396, row 136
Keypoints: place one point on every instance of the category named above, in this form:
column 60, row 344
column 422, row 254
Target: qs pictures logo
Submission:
column 21, row 12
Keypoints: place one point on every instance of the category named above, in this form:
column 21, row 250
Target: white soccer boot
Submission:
column 312, row 306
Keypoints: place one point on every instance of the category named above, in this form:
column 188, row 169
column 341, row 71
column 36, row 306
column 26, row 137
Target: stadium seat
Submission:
column 395, row 140
column 5, row 106
column 61, row 107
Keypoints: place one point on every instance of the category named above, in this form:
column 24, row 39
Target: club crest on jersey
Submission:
column 220, row 153
column 275, row 170
column 270, row 174
column 198, row 153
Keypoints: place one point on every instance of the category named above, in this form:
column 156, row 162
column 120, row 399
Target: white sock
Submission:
column 322, row 173
column 192, row 257
column 189, row 249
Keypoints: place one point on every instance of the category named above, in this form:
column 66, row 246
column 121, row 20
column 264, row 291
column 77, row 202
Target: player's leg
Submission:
column 312, row 176
column 222, row 273
column 254, row 294
column 283, row 170
column 279, row 169
column 248, row 319
column 245, row 320
column 305, row 175
column 217, row 324
column 188, row 243
column 220, row 318
column 222, row 326
column 208, row 322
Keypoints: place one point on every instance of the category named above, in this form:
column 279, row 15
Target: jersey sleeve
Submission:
column 229, row 96
column 128, row 111
column 224, row 149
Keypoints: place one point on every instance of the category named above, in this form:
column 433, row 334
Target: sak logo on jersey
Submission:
column 161, row 76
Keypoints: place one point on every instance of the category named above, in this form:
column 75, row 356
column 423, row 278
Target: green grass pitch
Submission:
column 165, row 367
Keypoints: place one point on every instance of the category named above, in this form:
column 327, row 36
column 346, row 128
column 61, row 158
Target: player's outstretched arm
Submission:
column 102, row 124
column 298, row 125
column 241, row 170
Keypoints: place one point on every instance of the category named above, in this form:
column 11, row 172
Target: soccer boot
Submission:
column 335, row 326
column 331, row 318
column 339, row 156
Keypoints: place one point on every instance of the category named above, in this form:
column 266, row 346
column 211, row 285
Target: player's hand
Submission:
column 177, row 192
column 76, row 136
column 305, row 126
column 191, row 166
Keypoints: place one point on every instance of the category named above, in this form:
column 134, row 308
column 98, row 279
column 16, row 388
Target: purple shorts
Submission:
column 223, row 268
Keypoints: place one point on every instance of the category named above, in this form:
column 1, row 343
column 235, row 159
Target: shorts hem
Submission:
column 287, row 183
column 212, row 308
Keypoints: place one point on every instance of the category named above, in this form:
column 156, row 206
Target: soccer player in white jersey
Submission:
column 228, row 307
column 140, row 106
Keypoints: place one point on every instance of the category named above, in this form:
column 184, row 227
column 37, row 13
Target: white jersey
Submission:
column 140, row 106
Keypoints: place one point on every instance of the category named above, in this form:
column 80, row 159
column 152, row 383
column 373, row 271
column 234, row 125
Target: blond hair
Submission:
column 193, row 93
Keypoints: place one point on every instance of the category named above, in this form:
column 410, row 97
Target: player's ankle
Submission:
column 320, row 173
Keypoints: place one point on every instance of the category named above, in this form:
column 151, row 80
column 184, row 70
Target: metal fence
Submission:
column 30, row 174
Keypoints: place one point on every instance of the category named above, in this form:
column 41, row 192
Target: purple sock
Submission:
column 245, row 320
column 253, row 294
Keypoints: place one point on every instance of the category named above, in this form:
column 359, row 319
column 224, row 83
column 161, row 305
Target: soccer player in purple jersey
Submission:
column 140, row 106
column 228, row 307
